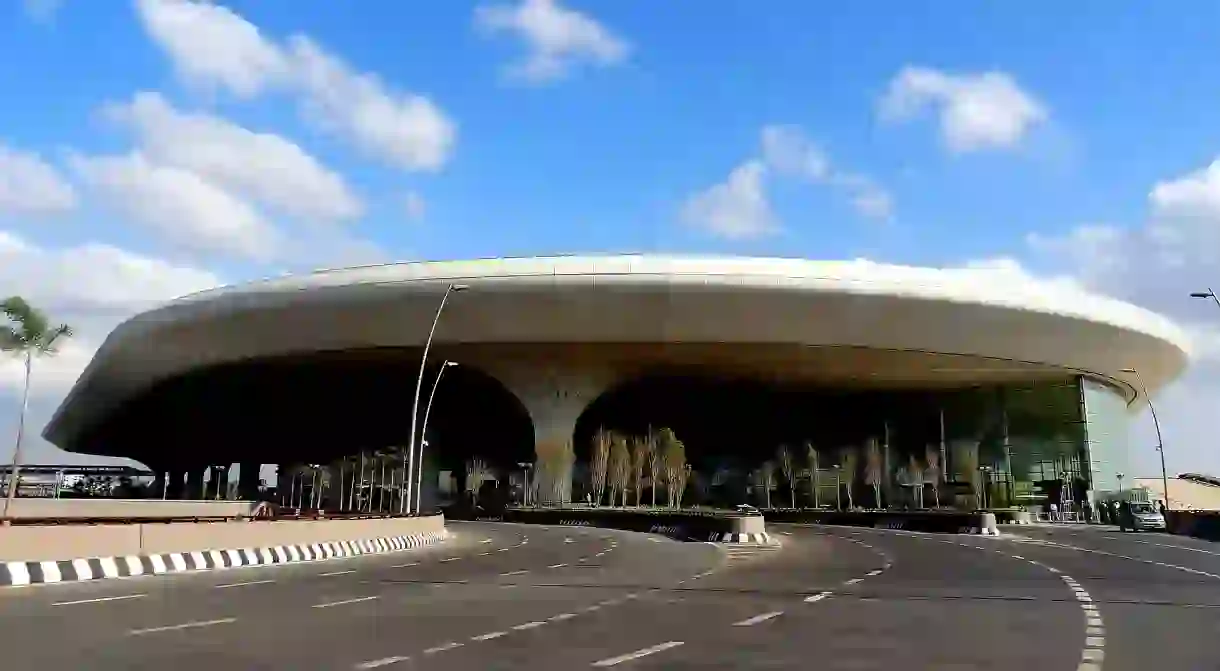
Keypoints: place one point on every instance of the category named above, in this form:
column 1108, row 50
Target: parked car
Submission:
column 747, row 509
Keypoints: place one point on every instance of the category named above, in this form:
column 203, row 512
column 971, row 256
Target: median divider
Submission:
column 33, row 554
column 933, row 521
column 705, row 526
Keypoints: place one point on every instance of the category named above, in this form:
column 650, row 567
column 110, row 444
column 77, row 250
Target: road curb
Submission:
column 15, row 574
column 763, row 538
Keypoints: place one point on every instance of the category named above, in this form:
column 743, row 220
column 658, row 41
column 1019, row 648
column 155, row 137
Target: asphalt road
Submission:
column 525, row 597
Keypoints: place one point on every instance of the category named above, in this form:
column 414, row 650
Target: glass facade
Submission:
column 1106, row 428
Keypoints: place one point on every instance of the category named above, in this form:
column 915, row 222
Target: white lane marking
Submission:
column 529, row 625
column 562, row 616
column 813, row 598
column 557, row 565
column 758, row 618
column 243, row 584
column 521, row 572
column 853, row 581
column 1165, row 545
column 414, row 563
column 484, row 554
column 100, row 599
column 334, row 573
column 184, row 625
column 502, row 550
column 600, row 554
column 644, row 652
column 441, row 648
column 344, row 602
column 385, row 661
column 488, row 636
column 568, row 540
column 874, row 572
column 485, row 540
column 655, row 540
column 450, row 559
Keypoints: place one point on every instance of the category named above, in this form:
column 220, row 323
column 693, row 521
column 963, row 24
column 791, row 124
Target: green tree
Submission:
column 28, row 334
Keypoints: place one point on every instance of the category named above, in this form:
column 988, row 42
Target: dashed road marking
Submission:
column 344, row 602
column 529, row 625
column 644, row 652
column 378, row 663
column 557, row 565
column 814, row 598
column 335, row 573
column 101, row 599
column 751, row 621
column 443, row 647
column 485, row 540
column 243, row 584
column 184, row 625
column 521, row 572
column 561, row 617
column 449, row 559
column 408, row 564
column 488, row 636
column 853, row 581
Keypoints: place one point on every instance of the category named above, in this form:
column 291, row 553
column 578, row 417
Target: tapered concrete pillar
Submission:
column 555, row 398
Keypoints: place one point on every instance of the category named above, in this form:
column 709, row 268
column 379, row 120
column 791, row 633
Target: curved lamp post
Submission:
column 1156, row 424
column 1205, row 295
column 423, row 361
column 423, row 435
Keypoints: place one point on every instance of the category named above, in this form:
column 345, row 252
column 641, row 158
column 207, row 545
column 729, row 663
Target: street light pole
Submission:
column 423, row 437
column 1156, row 424
column 1206, row 294
column 419, row 381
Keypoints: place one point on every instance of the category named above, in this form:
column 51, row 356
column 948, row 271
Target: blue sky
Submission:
column 1067, row 141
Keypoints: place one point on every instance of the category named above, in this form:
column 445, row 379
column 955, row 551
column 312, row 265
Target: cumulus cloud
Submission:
column 736, row 208
column 976, row 111
column 30, row 185
column 557, row 39
column 90, row 286
column 214, row 47
column 262, row 166
column 790, row 152
column 180, row 205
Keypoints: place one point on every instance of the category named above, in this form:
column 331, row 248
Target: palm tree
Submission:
column 811, row 455
column 788, row 468
column 28, row 334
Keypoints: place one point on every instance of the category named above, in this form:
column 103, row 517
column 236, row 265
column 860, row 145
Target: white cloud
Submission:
column 976, row 111
column 30, row 185
column 736, row 208
column 414, row 205
column 558, row 38
column 91, row 287
column 213, row 46
column 404, row 129
column 185, row 208
column 261, row 166
column 788, row 151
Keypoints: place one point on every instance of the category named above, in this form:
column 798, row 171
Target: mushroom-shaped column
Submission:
column 554, row 397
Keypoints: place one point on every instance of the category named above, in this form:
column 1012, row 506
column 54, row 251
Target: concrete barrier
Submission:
column 53, row 543
column 933, row 521
column 715, row 527
column 127, row 508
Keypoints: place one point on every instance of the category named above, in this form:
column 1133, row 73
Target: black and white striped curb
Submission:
column 763, row 538
column 94, row 568
column 979, row 531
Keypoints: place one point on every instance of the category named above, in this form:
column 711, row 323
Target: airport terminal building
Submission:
column 884, row 382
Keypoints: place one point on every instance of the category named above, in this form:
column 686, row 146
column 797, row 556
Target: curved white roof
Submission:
column 633, row 299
